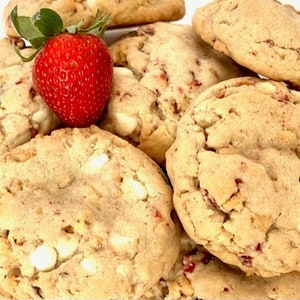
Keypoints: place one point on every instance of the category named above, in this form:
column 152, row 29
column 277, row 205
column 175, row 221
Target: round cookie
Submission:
column 235, row 171
column 122, row 13
column 159, row 70
column 23, row 113
column 84, row 215
column 263, row 36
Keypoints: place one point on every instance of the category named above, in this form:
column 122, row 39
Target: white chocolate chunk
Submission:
column 43, row 258
column 120, row 241
column 124, row 244
column 27, row 269
column 40, row 115
column 89, row 265
column 66, row 247
column 95, row 163
column 132, row 186
column 125, row 125
column 266, row 87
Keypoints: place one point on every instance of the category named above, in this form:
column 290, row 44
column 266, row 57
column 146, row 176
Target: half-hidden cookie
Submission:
column 123, row 13
column 263, row 36
column 84, row 215
column 160, row 68
column 23, row 113
column 200, row 275
column 197, row 274
column 235, row 171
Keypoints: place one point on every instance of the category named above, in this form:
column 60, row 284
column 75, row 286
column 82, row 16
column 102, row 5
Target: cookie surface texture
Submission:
column 209, row 278
column 123, row 13
column 264, row 36
column 23, row 113
column 234, row 168
column 159, row 70
column 199, row 275
column 91, row 218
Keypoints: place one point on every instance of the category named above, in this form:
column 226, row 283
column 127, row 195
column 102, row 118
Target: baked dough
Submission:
column 235, row 172
column 200, row 275
column 84, row 215
column 160, row 69
column 263, row 36
column 123, row 13
column 23, row 113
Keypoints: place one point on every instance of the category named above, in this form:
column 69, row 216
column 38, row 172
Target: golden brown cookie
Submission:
column 235, row 171
column 263, row 36
column 160, row 69
column 123, row 13
column 84, row 215
column 23, row 113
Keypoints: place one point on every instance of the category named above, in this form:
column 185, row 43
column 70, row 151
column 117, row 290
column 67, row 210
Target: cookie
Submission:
column 200, row 275
column 23, row 113
column 8, row 55
column 263, row 36
column 123, row 13
column 235, row 172
column 92, row 218
column 197, row 274
column 159, row 70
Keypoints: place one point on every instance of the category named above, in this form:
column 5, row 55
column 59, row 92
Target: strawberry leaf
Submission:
column 48, row 22
column 26, row 29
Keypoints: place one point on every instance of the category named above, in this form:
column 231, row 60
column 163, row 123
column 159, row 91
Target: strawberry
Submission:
column 72, row 68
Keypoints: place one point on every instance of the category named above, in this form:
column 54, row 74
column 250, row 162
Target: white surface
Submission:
column 191, row 6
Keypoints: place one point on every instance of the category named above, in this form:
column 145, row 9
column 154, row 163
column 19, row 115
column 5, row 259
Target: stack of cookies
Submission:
column 189, row 185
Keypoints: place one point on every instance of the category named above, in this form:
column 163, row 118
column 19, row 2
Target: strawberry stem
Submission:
column 98, row 26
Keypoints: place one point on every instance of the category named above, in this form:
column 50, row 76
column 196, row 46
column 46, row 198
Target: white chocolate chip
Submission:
column 124, row 244
column 132, row 186
column 266, row 87
column 123, row 71
column 89, row 265
column 95, row 163
column 43, row 258
column 120, row 241
column 125, row 125
column 27, row 269
column 40, row 115
column 91, row 3
column 66, row 247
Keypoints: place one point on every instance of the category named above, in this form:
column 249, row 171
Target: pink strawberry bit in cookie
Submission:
column 189, row 264
column 246, row 260
column 258, row 247
column 210, row 200
column 189, row 268
column 238, row 181
column 73, row 69
column 155, row 213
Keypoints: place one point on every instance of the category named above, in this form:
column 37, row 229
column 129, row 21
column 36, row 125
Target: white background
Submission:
column 191, row 6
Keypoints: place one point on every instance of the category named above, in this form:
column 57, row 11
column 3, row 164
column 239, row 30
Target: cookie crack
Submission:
column 272, row 44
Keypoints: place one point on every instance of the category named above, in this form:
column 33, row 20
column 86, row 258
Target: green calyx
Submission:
column 46, row 23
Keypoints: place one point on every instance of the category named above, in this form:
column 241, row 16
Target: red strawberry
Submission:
column 72, row 70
